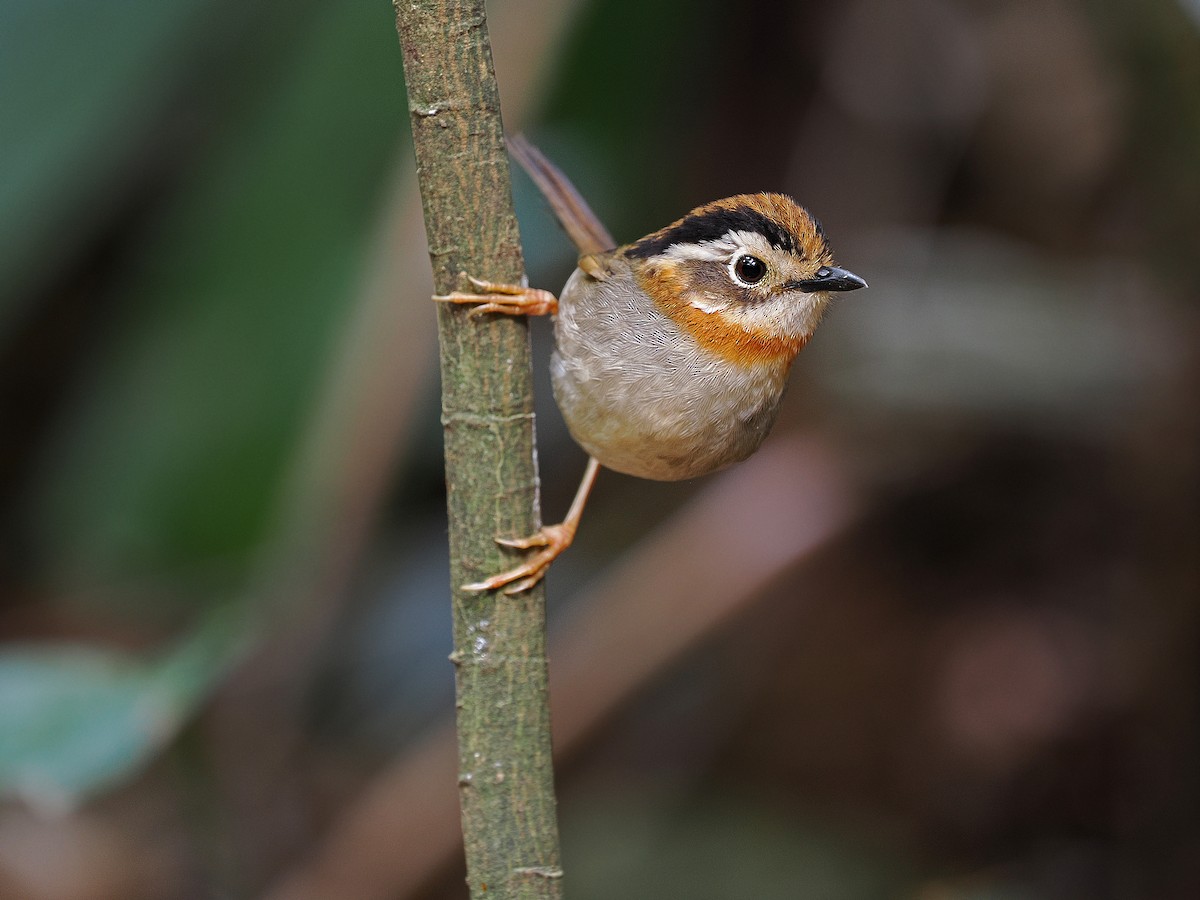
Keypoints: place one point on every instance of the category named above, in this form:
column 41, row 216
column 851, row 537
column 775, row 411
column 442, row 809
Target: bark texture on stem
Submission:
column 505, row 776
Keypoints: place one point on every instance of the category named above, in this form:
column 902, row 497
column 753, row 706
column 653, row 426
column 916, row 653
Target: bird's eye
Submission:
column 749, row 269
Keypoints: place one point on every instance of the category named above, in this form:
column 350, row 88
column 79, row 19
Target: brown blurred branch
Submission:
column 505, row 772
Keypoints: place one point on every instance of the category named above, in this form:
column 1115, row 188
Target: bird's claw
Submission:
column 553, row 539
column 526, row 543
column 506, row 299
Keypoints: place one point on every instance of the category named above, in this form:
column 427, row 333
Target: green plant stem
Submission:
column 506, row 781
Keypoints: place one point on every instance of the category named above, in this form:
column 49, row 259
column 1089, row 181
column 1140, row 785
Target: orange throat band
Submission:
column 715, row 331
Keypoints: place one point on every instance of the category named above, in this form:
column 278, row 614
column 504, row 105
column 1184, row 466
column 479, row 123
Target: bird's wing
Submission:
column 581, row 224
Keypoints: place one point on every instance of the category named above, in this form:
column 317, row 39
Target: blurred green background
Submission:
column 222, row 567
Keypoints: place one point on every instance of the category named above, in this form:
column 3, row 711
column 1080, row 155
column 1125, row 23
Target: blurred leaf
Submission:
column 78, row 719
column 176, row 451
column 80, row 84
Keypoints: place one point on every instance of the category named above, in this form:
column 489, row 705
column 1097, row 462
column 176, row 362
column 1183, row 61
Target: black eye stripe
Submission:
column 713, row 225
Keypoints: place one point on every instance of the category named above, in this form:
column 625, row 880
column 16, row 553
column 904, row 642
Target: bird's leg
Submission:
column 552, row 539
column 508, row 299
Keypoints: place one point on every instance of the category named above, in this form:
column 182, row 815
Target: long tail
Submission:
column 581, row 224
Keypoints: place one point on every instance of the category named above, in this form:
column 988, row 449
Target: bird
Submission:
column 671, row 352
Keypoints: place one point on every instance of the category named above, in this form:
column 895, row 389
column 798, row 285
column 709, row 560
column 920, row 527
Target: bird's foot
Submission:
column 506, row 299
column 552, row 539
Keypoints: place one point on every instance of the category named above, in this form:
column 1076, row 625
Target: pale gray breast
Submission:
column 640, row 395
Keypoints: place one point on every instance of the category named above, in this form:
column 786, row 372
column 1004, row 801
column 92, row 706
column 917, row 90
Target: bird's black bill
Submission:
column 829, row 278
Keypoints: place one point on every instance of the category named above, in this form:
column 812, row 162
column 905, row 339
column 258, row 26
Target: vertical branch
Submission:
column 506, row 780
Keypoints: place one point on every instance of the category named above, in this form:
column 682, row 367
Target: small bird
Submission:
column 671, row 353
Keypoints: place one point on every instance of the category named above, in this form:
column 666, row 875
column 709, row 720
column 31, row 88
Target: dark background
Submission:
column 938, row 640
